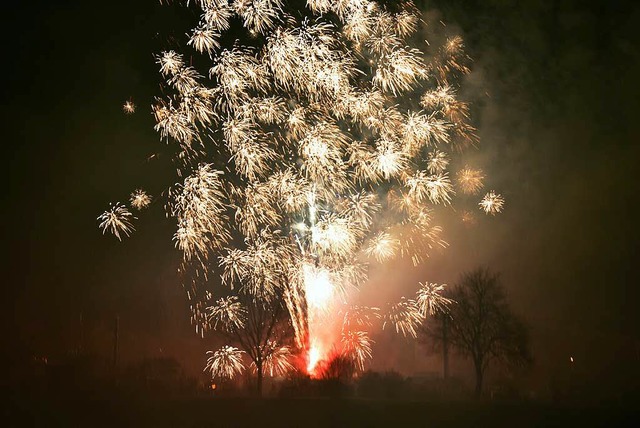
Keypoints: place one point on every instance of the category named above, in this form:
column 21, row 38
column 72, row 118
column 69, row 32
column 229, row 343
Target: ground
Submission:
column 308, row 413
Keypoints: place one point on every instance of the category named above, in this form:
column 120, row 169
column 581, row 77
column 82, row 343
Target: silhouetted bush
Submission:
column 390, row 384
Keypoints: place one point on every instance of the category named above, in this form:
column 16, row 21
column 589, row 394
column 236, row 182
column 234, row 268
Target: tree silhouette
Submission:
column 483, row 327
column 260, row 329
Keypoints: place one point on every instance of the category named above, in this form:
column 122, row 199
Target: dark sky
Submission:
column 559, row 134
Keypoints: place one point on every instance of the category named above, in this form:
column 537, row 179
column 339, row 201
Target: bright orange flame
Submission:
column 314, row 358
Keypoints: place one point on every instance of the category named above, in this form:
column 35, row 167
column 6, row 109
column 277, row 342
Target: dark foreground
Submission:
column 244, row 412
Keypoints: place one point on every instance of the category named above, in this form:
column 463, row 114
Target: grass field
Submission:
column 244, row 412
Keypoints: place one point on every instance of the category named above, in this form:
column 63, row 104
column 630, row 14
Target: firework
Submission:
column 204, row 40
column 224, row 363
column 357, row 346
column 492, row 203
column 436, row 187
column 470, row 180
column 277, row 360
column 140, row 199
column 303, row 160
column 429, row 299
column 170, row 62
column 382, row 247
column 404, row 317
column 117, row 220
column 227, row 314
column 198, row 207
column 129, row 107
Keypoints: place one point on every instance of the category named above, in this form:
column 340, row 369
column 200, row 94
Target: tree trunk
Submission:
column 479, row 376
column 260, row 375
column 445, row 348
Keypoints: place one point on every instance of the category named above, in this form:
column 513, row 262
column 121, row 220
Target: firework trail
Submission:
column 320, row 145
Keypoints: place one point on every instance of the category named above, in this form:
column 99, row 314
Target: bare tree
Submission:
column 483, row 326
column 259, row 328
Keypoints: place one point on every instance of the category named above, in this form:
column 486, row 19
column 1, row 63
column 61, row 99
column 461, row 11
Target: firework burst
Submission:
column 224, row 363
column 117, row 220
column 404, row 317
column 140, row 199
column 357, row 346
column 227, row 314
column 129, row 107
column 470, row 180
column 304, row 158
column 429, row 299
column 277, row 360
column 492, row 203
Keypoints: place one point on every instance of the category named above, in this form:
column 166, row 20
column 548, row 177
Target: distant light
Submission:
column 571, row 359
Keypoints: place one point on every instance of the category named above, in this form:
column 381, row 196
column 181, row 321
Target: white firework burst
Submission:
column 117, row 220
column 140, row 199
column 225, row 363
column 492, row 203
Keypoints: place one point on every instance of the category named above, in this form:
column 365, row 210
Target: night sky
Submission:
column 559, row 85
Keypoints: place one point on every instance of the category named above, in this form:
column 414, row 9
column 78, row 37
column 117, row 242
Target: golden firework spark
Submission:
column 383, row 247
column 404, row 317
column 358, row 317
column 437, row 162
column 129, row 107
column 117, row 220
column 227, row 314
column 357, row 346
column 277, row 360
column 429, row 299
column 225, row 363
column 140, row 199
column 492, row 203
column 470, row 180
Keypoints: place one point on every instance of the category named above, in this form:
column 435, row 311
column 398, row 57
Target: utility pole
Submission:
column 81, row 338
column 116, row 334
column 445, row 346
